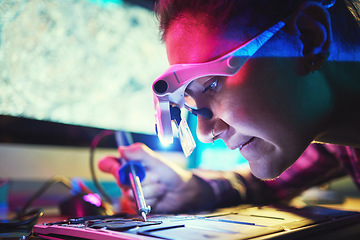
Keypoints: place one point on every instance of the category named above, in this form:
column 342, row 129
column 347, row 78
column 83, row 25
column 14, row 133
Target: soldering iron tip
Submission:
column 143, row 215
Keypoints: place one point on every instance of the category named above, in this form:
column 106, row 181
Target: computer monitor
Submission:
column 86, row 63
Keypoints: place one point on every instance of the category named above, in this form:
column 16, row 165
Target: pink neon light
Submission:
column 93, row 198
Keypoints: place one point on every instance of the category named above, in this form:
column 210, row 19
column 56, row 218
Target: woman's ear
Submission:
column 311, row 24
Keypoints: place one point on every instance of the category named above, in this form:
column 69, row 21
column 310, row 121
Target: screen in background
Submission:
column 80, row 62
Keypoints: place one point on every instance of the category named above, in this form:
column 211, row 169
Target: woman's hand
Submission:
column 166, row 187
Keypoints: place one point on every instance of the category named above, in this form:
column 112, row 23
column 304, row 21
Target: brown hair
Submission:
column 255, row 14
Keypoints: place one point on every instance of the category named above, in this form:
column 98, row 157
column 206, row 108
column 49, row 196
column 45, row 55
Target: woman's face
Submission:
column 266, row 110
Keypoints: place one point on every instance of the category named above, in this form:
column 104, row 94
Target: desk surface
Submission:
column 242, row 222
column 350, row 204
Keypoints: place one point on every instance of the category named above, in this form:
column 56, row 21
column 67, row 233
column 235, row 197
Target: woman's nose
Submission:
column 209, row 130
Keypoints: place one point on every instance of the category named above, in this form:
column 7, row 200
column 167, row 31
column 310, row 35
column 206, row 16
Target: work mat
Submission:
column 242, row 222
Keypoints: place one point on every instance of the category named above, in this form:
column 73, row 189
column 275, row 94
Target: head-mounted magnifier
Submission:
column 169, row 88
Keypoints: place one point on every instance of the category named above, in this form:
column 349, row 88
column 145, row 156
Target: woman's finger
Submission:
column 139, row 151
column 110, row 164
column 154, row 191
column 150, row 178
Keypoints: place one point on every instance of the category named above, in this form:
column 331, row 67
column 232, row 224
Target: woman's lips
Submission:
column 243, row 145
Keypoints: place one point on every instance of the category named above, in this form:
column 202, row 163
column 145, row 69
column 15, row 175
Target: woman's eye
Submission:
column 212, row 86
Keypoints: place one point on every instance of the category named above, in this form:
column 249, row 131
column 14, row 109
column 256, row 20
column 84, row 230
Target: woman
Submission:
column 301, row 86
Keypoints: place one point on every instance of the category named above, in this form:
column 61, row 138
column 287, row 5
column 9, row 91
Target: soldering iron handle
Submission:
column 135, row 184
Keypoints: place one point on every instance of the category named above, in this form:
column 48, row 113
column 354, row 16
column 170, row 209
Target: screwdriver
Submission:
column 132, row 173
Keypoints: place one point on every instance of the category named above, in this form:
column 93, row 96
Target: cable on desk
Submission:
column 26, row 220
column 66, row 182
column 93, row 145
column 56, row 179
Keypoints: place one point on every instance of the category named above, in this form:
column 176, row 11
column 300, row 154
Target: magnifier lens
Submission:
column 190, row 92
column 195, row 88
column 186, row 139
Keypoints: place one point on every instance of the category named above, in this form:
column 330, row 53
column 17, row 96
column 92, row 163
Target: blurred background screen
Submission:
column 80, row 62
